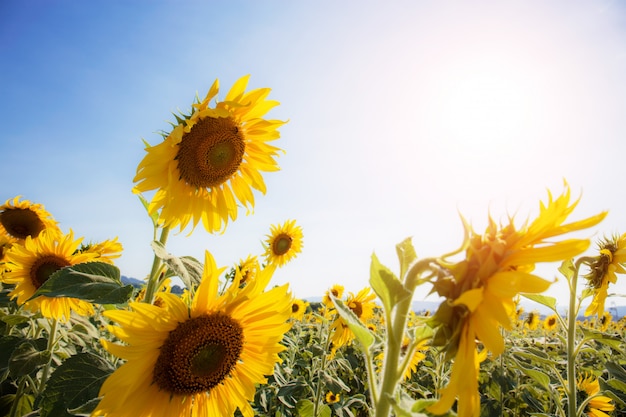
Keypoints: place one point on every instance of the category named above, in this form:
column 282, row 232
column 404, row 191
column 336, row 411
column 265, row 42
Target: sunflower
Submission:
column 332, row 398
column 603, row 271
column 298, row 308
column 32, row 263
column 362, row 305
column 247, row 269
column 211, row 159
column 551, row 322
column 589, row 389
column 605, row 321
column 20, row 219
column 336, row 290
column 105, row 251
column 283, row 243
column 417, row 356
column 480, row 289
column 532, row 320
column 202, row 360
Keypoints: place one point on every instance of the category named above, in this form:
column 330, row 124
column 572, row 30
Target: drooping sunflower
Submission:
column 603, row 271
column 588, row 386
column 202, row 360
column 32, row 263
column 480, row 289
column 283, row 243
column 20, row 219
column 212, row 159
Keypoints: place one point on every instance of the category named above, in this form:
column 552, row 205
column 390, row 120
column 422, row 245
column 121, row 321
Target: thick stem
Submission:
column 157, row 263
column 50, row 348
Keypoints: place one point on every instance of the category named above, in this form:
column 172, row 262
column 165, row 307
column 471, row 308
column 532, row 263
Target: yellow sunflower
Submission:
column 531, row 322
column 211, row 159
column 605, row 321
column 480, row 289
column 202, row 360
column 20, row 219
column 336, row 290
column 589, row 387
column 283, row 243
column 603, row 270
column 332, row 398
column 551, row 322
column 32, row 263
column 298, row 308
column 105, row 251
column 362, row 305
column 247, row 269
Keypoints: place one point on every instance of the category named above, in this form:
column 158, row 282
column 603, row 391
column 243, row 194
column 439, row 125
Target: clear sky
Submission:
column 402, row 114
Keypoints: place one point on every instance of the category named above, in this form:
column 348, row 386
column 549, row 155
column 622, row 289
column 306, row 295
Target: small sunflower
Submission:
column 332, row 398
column 247, row 269
column 105, row 251
column 20, row 219
column 362, row 305
column 589, row 387
column 605, row 321
column 202, row 360
column 551, row 322
column 211, row 159
column 603, row 271
column 283, row 243
column 32, row 263
column 298, row 308
column 532, row 320
column 336, row 290
column 416, row 358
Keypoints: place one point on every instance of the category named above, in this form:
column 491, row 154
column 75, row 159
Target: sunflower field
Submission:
column 76, row 340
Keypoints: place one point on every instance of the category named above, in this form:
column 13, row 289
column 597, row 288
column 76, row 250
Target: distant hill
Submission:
column 138, row 283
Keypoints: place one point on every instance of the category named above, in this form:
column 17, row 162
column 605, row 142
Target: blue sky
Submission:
column 402, row 115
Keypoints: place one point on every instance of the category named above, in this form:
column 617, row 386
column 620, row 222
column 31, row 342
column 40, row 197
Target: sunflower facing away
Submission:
column 20, row 219
column 32, row 263
column 598, row 404
column 212, row 159
column 283, row 243
column 202, row 360
column 480, row 290
column 603, row 270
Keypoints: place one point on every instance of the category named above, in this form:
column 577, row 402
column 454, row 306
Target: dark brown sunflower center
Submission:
column 357, row 308
column 45, row 266
column 21, row 223
column 295, row 307
column 211, row 152
column 199, row 354
column 281, row 244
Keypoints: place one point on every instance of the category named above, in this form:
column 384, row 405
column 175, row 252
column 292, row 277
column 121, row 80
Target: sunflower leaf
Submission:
column 187, row 268
column 95, row 282
column 361, row 332
column 28, row 357
column 74, row 385
column 545, row 300
column 406, row 255
column 386, row 285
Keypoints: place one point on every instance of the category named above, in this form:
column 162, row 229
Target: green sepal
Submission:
column 74, row 385
column 95, row 282
column 361, row 332
column 386, row 285
column 187, row 268
column 154, row 216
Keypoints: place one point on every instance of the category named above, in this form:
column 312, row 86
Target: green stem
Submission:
column 571, row 342
column 50, row 348
column 16, row 400
column 318, row 389
column 157, row 263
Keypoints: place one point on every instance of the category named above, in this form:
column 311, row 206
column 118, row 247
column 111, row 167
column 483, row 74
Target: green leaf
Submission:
column 305, row 408
column 145, row 203
column 75, row 385
column 361, row 332
column 567, row 269
column 27, row 357
column 95, row 282
column 325, row 411
column 386, row 285
column 187, row 268
column 406, row 255
column 537, row 376
column 613, row 341
column 22, row 408
column 616, row 370
column 545, row 300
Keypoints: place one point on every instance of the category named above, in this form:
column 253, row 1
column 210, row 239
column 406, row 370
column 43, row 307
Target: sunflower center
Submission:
column 295, row 307
column 281, row 244
column 211, row 152
column 199, row 354
column 357, row 308
column 21, row 223
column 45, row 266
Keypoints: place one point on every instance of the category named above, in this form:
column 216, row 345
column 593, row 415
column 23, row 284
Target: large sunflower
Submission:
column 212, row 159
column 480, row 290
column 603, row 271
column 20, row 219
column 32, row 263
column 203, row 360
column 283, row 243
